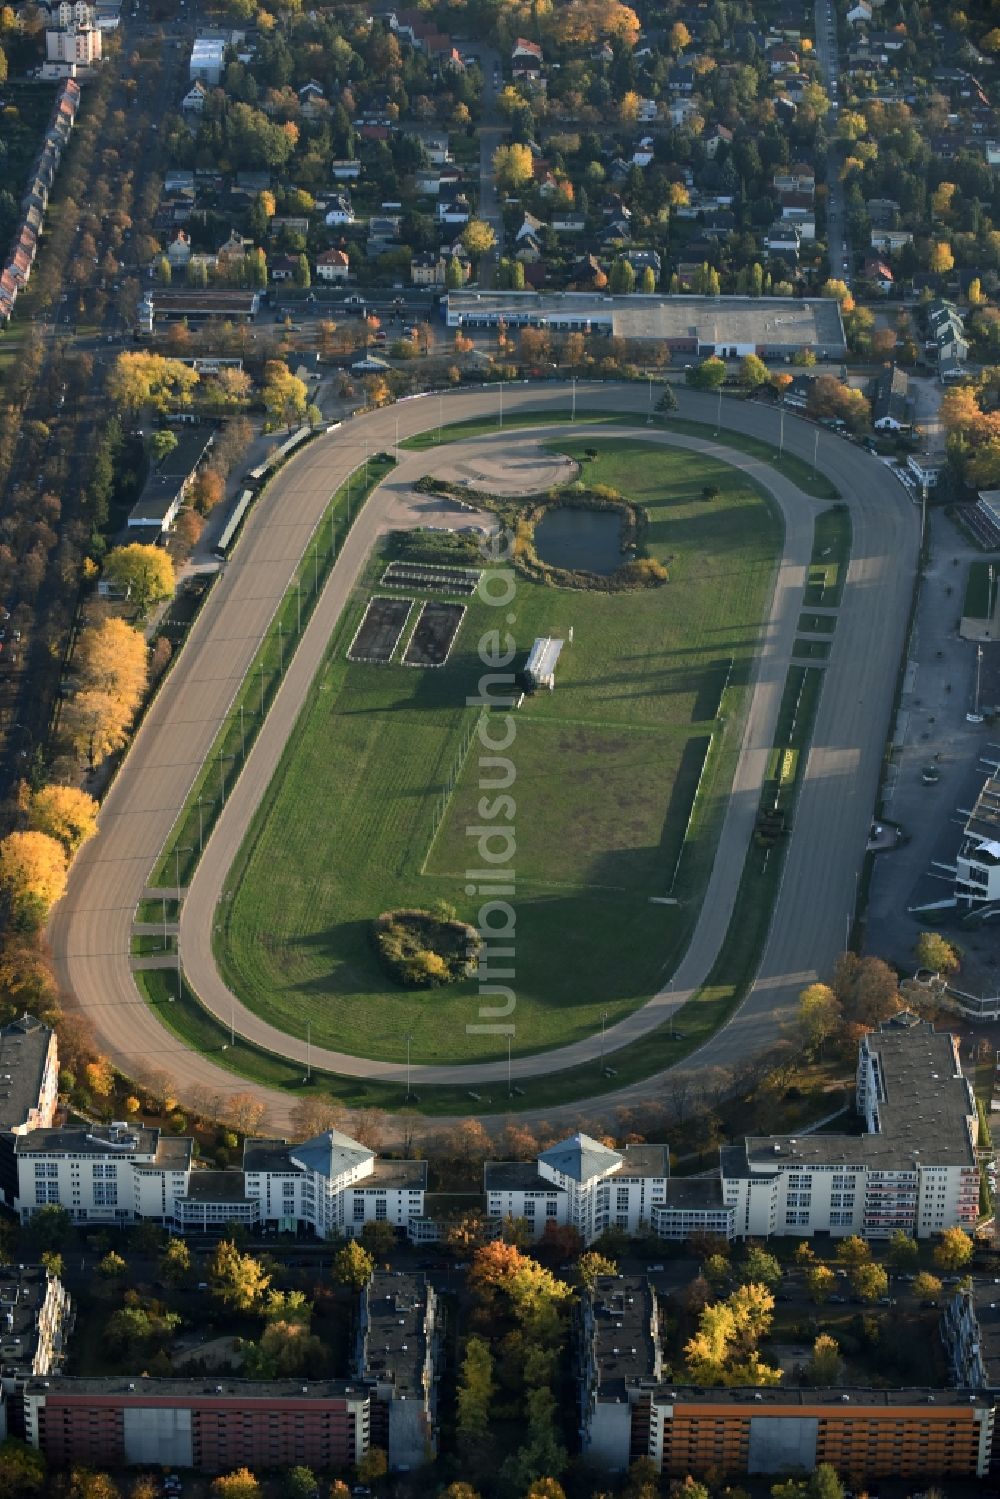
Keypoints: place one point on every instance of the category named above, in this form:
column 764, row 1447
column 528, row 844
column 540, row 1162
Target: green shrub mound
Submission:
column 422, row 950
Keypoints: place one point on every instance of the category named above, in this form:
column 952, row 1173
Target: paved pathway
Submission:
column 90, row 929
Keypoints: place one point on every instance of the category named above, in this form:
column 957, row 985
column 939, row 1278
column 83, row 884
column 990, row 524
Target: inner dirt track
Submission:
column 90, row 929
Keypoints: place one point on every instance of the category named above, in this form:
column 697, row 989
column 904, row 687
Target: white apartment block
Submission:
column 115, row 1173
column 582, row 1184
column 82, row 45
column 915, row 1168
column 333, row 1184
column 121, row 1173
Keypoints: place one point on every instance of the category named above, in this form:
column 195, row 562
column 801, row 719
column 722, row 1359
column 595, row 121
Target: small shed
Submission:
column 540, row 668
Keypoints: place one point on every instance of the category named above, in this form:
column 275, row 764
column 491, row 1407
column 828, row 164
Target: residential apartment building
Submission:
column 206, row 1424
column 331, row 1184
column 582, row 1184
column 396, row 1359
column 905, row 1434
column 75, row 45
column 36, row 1317
column 620, row 1368
column 915, row 1168
column 29, row 1089
column 114, row 1173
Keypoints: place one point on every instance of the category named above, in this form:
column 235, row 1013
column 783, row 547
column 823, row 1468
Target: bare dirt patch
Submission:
column 522, row 469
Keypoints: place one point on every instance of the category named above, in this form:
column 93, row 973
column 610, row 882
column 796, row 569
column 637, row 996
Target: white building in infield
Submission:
column 914, row 1170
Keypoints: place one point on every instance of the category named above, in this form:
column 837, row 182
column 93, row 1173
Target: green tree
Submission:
column 144, row 573
column 300, row 1483
column 237, row 1279
column 478, row 237
column 353, row 1266
column 953, row 1250
column 903, row 1250
column 760, row 1268
column 592, row 1264
column 22, row 1470
column 303, row 279
column 936, row 953
column 164, row 273
column 820, row 1281
column 927, row 1286
column 475, row 1390
column 373, row 1466
column 824, row 1483
column 49, row 1228
column 753, row 372
column 853, row 1251
column 52, row 1261
column 240, row 1484
column 819, row 1015
column 162, row 442
column 378, row 1238
column 708, row 375
column 870, row 1281
column 454, row 277
column 825, row 1364
column 622, row 279
column 112, row 1265
column 175, row 1262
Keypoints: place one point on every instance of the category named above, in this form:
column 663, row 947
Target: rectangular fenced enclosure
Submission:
column 425, row 575
column 434, row 635
column 379, row 631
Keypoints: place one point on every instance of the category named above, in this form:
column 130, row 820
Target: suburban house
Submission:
column 339, row 211
column 332, row 265
column 888, row 393
column 428, row 268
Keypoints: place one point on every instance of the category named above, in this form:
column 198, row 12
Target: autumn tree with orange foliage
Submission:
column 33, row 875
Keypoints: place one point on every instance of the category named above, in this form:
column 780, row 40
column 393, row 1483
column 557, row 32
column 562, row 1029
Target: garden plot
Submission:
column 432, row 578
column 378, row 633
column 434, row 635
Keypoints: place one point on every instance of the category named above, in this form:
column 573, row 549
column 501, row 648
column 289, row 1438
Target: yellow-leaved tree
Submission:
column 33, row 873
column 65, row 813
column 110, row 664
column 145, row 379
column 144, row 573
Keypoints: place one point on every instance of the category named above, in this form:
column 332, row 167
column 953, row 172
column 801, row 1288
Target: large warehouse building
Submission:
column 773, row 327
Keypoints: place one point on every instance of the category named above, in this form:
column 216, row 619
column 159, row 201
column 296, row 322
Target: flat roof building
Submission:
column 914, row 1169
column 730, row 327
column 211, row 1425
column 29, row 1089
column 164, row 490
column 396, row 1356
column 36, row 1317
column 620, row 1367
column 977, row 867
column 207, row 60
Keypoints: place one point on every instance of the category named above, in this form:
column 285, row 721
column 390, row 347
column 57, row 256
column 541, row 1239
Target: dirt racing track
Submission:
column 91, row 928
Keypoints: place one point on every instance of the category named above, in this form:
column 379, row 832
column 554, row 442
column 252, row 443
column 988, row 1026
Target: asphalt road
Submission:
column 90, row 928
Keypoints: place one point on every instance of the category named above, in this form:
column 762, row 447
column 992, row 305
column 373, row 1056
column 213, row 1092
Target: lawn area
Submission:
column 605, row 769
column 830, row 555
column 796, row 469
column 978, row 595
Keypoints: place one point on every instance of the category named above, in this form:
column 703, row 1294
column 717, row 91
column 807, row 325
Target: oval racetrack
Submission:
column 90, row 930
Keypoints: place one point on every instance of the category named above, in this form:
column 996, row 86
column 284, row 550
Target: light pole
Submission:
column 510, row 1090
column 316, row 568
column 815, row 450
column 201, row 825
column 718, row 414
column 222, row 774
column 440, row 413
column 572, row 415
column 501, row 405
column 649, row 417
column 262, row 686
column 298, row 605
column 409, row 1039
column 781, row 427
column 604, row 1021
column 308, row 1051
column 281, row 650
column 243, row 735
column 397, row 432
